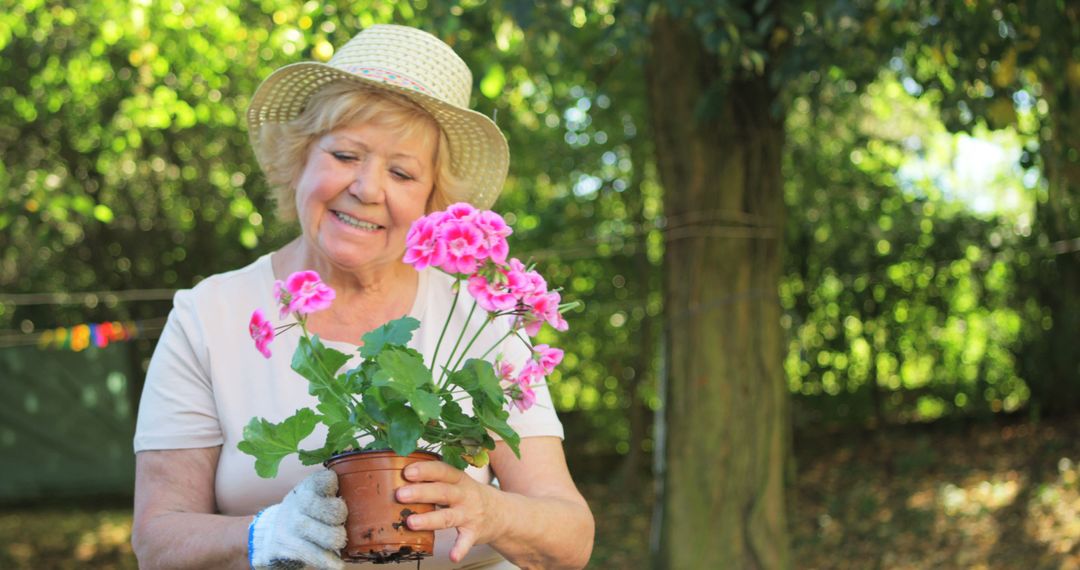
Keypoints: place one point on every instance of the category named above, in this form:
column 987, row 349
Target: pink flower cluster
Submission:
column 301, row 293
column 304, row 293
column 457, row 240
column 471, row 243
column 262, row 332
column 520, row 389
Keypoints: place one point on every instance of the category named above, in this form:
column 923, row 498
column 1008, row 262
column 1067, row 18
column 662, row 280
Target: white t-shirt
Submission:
column 206, row 381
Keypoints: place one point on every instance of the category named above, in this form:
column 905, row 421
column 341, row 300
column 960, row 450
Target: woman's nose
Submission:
column 367, row 186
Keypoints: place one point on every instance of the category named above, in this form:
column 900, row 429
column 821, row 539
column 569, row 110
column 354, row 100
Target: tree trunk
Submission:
column 1050, row 361
column 638, row 413
column 726, row 411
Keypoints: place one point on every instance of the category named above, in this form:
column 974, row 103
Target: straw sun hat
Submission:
column 412, row 63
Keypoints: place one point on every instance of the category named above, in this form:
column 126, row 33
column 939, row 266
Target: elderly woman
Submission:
column 356, row 150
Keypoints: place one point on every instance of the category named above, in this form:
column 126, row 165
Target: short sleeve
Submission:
column 540, row 419
column 177, row 409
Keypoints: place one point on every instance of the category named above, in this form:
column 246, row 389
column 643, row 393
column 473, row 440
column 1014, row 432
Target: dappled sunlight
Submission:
column 985, row 496
column 1054, row 513
column 66, row 538
column 971, row 500
column 109, row 536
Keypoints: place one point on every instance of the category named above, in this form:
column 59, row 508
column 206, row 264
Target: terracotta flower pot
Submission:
column 376, row 524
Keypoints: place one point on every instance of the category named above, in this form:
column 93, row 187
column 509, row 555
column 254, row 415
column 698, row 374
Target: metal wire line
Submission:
column 89, row 298
column 148, row 329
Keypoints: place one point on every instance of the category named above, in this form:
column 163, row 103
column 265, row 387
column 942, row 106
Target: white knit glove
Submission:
column 305, row 529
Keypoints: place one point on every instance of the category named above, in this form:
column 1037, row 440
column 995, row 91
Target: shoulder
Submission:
column 223, row 290
column 225, row 301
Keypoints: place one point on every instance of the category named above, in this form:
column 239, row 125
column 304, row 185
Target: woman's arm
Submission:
column 537, row 520
column 174, row 525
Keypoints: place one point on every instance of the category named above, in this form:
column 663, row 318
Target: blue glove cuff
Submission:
column 251, row 539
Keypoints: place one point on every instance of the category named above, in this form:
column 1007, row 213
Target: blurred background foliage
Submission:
column 930, row 175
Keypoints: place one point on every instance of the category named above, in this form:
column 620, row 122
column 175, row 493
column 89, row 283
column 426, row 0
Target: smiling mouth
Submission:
column 358, row 224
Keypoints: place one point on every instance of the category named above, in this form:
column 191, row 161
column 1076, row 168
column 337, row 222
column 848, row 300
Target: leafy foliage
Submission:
column 126, row 166
column 390, row 397
column 270, row 443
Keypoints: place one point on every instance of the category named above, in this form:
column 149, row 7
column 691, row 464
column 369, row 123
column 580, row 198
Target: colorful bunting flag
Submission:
column 82, row 336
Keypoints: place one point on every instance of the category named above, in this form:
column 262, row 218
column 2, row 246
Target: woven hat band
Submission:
column 380, row 50
column 411, row 63
column 389, row 77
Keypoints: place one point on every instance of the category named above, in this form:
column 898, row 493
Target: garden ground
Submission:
column 999, row 494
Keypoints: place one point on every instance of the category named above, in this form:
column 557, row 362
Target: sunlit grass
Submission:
column 66, row 538
column 904, row 498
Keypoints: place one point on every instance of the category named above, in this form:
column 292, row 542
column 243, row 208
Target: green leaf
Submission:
column 374, row 408
column 426, row 405
column 451, row 455
column 478, row 378
column 269, row 443
column 405, row 429
column 314, row 456
column 333, row 411
column 461, row 427
column 459, row 423
column 340, row 437
column 359, row 379
column 397, row 332
column 319, row 365
column 406, row 369
column 495, row 420
column 377, row 443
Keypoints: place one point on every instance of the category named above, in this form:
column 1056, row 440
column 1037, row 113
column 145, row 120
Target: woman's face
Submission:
column 362, row 186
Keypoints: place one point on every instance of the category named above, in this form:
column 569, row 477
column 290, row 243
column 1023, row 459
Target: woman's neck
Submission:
column 365, row 299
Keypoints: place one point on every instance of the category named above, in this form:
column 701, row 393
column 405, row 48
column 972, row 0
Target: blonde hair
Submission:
column 282, row 148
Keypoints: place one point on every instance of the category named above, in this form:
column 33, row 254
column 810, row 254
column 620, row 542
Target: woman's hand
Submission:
column 306, row 528
column 536, row 519
column 467, row 505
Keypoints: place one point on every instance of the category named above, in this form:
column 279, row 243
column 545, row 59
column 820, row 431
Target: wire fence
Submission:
column 721, row 224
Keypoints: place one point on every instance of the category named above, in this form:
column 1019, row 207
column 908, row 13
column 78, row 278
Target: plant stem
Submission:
column 446, row 324
column 322, row 365
column 471, row 341
column 450, row 358
column 497, row 343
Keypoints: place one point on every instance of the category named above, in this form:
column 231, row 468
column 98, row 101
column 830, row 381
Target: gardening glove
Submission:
column 305, row 529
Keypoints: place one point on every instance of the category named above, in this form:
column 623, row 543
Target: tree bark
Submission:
column 1050, row 361
column 726, row 411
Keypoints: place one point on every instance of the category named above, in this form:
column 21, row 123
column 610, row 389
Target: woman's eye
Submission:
column 344, row 156
column 401, row 175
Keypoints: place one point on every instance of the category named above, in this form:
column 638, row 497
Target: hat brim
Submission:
column 479, row 154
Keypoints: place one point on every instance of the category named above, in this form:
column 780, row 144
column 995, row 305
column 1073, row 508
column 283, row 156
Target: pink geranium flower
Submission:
column 531, row 374
column 461, row 211
column 464, row 243
column 423, row 246
column 523, row 397
column 541, row 309
column 261, row 332
column 307, row 293
column 548, row 357
column 282, row 296
column 495, row 233
column 521, row 393
column 492, row 295
column 505, row 370
column 524, row 282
